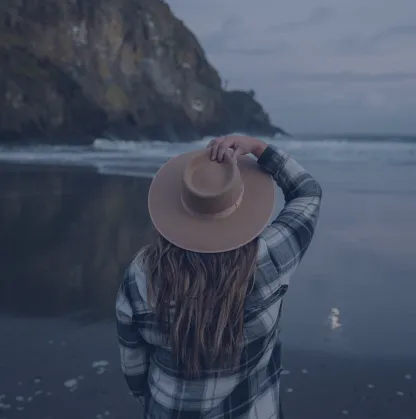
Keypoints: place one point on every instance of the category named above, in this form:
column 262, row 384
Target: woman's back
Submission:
column 199, row 332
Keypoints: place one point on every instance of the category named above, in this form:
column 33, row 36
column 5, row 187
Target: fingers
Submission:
column 229, row 142
column 238, row 152
column 220, row 145
column 212, row 142
column 215, row 145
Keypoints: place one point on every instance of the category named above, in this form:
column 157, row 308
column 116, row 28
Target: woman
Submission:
column 198, row 310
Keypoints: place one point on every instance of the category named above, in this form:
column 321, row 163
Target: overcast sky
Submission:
column 316, row 65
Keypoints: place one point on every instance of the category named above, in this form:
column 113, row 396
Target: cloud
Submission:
column 393, row 33
column 216, row 41
column 315, row 64
column 279, row 48
column 317, row 16
column 372, row 44
column 354, row 46
column 346, row 77
column 226, row 41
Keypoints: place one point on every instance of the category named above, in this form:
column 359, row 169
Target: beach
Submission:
column 349, row 319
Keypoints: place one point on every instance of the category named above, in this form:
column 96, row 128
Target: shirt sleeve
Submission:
column 134, row 350
column 284, row 243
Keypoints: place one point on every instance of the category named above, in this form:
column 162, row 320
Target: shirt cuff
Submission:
column 273, row 160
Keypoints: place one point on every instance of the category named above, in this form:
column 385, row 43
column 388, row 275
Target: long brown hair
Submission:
column 199, row 300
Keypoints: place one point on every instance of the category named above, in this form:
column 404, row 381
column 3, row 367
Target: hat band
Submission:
column 215, row 216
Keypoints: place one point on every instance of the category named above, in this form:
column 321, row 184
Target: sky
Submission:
column 317, row 66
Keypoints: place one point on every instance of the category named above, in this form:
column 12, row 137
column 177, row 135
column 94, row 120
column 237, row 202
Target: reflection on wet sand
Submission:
column 334, row 319
column 67, row 235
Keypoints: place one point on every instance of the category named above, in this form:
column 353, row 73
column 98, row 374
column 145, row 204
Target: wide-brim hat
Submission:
column 208, row 206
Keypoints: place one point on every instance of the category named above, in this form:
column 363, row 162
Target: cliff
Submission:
column 73, row 69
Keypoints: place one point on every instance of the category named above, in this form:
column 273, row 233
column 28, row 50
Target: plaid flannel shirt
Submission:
column 253, row 391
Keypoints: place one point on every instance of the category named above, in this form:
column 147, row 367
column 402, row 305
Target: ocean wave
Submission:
column 146, row 146
column 143, row 158
column 329, row 146
column 360, row 138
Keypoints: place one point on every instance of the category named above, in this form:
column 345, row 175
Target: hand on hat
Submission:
column 239, row 144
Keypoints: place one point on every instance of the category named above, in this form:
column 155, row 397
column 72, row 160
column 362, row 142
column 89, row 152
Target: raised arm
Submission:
column 290, row 234
column 283, row 244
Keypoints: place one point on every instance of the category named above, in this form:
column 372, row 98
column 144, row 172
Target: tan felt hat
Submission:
column 210, row 207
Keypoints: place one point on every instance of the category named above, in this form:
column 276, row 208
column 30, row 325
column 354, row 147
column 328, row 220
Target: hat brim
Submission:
column 202, row 235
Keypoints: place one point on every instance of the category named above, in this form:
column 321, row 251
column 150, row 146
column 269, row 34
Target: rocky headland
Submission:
column 75, row 69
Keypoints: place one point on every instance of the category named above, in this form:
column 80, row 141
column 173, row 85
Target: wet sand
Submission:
column 67, row 237
column 349, row 322
column 64, row 369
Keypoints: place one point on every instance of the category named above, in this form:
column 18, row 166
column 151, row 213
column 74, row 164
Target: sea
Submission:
column 143, row 158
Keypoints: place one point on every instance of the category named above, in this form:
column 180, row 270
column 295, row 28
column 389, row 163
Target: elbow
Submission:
column 305, row 186
column 312, row 188
column 317, row 189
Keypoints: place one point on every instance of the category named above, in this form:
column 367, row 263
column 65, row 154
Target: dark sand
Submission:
column 349, row 328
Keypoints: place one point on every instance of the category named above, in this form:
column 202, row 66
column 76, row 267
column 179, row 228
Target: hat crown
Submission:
column 209, row 188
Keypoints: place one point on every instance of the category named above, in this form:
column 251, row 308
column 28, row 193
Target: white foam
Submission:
column 71, row 384
column 97, row 364
column 334, row 319
column 115, row 156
